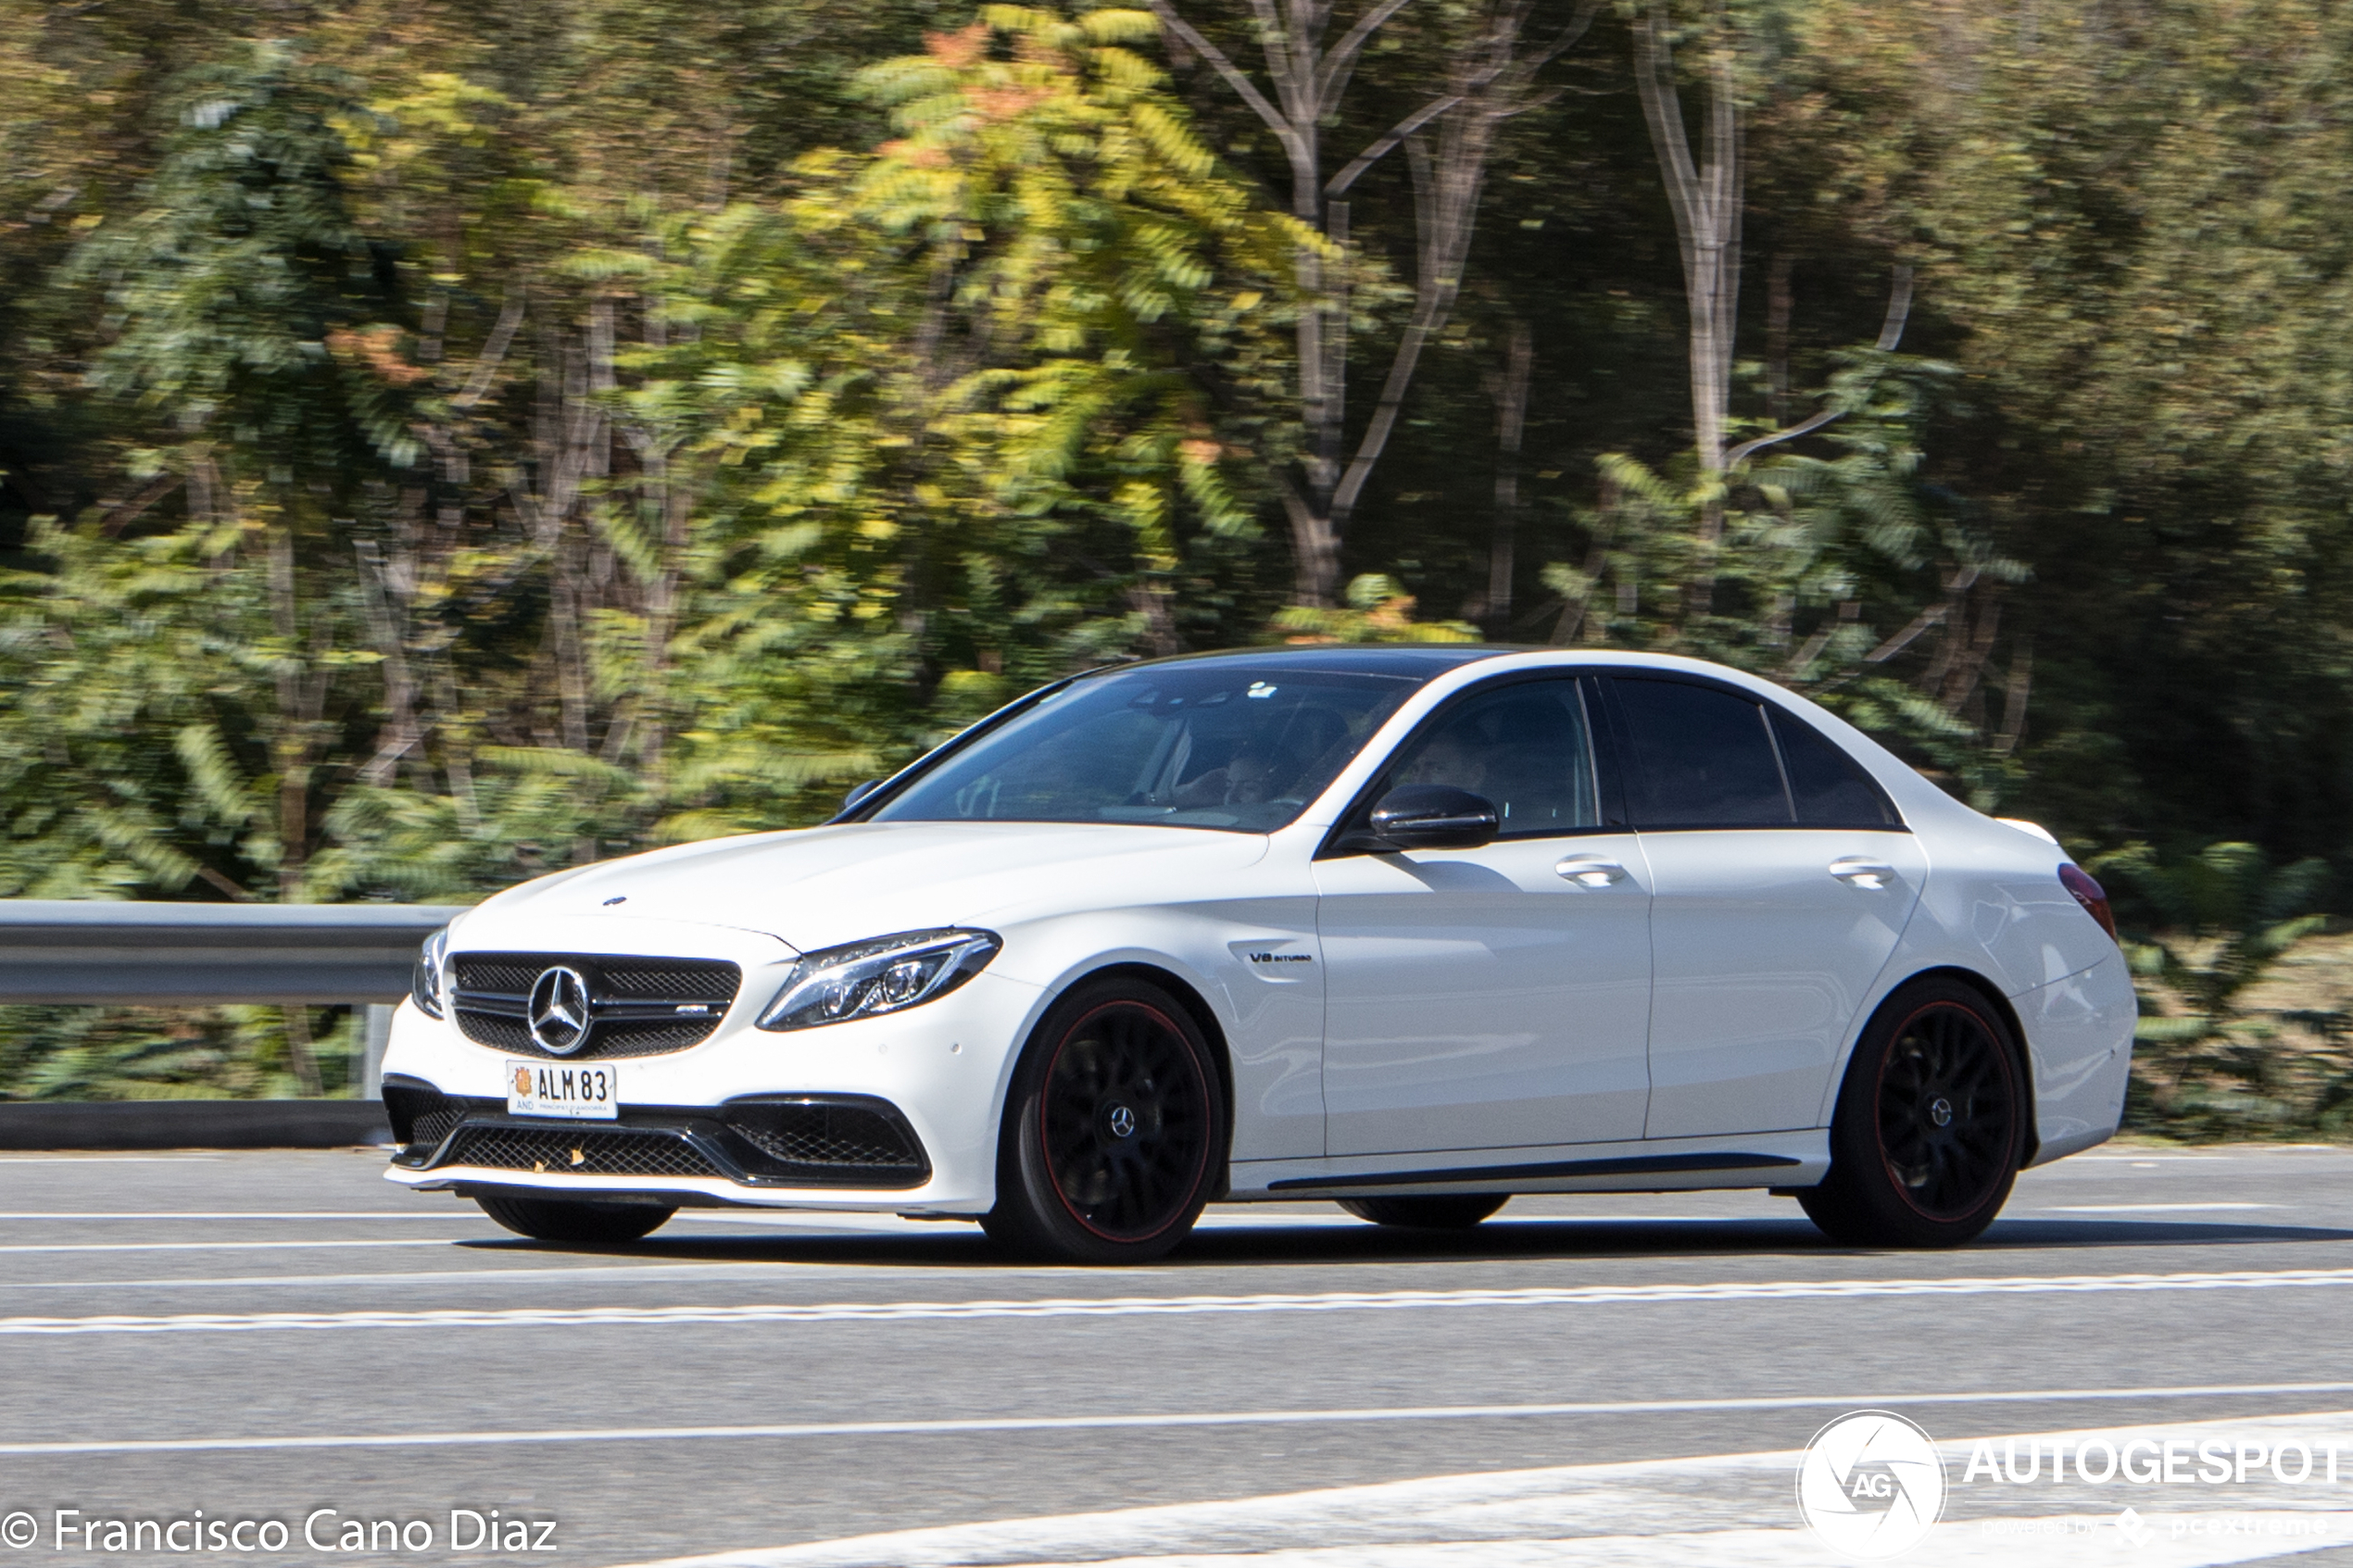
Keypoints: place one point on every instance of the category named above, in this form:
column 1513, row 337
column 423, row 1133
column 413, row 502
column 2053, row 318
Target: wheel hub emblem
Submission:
column 1940, row 1110
column 559, row 1011
column 1123, row 1122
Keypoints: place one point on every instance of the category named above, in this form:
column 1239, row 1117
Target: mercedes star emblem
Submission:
column 559, row 1010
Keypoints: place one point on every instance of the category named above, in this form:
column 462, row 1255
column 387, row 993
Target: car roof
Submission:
column 1420, row 661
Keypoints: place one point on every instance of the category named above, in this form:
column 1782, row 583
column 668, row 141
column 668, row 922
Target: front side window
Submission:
column 1524, row 746
column 1702, row 757
column 1236, row 745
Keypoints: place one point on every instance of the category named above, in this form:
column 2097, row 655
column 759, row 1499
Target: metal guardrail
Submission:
column 73, row 952
column 70, row 951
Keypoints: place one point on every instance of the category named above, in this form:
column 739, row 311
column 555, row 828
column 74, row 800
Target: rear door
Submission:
column 1782, row 879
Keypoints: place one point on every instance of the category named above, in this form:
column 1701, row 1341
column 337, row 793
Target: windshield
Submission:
column 1238, row 744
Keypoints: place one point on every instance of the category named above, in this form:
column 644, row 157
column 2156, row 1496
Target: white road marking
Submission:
column 1654, row 1513
column 258, row 1214
column 1130, row 1305
column 984, row 1425
column 552, row 1271
column 103, row 1158
column 223, row 1245
column 2151, row 1206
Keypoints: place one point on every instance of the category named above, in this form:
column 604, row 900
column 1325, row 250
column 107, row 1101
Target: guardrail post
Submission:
column 375, row 1036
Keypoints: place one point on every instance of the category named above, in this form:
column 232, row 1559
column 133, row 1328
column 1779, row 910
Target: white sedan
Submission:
column 1414, row 929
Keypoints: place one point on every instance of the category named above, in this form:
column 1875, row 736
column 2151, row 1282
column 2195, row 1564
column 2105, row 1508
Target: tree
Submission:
column 1489, row 79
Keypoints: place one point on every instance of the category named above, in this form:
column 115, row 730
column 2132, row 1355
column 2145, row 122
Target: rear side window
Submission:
column 1829, row 788
column 1702, row 757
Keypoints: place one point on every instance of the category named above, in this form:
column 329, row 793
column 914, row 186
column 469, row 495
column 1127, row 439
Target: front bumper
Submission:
column 693, row 1122
column 761, row 1141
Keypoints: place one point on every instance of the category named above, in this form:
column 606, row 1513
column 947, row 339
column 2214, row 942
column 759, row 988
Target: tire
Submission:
column 1930, row 1123
column 1115, row 1132
column 1446, row 1211
column 558, row 1218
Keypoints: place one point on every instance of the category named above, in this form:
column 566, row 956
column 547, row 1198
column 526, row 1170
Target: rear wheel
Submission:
column 1930, row 1123
column 1113, row 1132
column 559, row 1219
column 1446, row 1211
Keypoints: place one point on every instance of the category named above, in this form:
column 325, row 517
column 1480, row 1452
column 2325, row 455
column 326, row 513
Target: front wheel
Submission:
column 1930, row 1123
column 1446, row 1211
column 553, row 1219
column 1113, row 1132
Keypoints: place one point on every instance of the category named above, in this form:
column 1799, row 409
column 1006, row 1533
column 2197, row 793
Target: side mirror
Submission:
column 859, row 792
column 1434, row 817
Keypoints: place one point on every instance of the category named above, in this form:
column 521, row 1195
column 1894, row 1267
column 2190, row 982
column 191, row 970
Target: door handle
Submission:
column 1590, row 870
column 1856, row 870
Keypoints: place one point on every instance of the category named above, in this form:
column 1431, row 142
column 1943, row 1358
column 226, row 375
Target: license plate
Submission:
column 546, row 1088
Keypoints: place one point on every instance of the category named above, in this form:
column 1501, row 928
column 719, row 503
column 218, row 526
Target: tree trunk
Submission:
column 1705, row 198
column 1511, row 422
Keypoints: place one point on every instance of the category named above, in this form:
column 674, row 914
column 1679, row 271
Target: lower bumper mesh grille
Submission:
column 625, row 1151
column 828, row 1137
column 839, row 1140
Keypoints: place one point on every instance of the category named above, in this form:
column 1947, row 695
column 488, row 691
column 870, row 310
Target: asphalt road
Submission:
column 254, row 1335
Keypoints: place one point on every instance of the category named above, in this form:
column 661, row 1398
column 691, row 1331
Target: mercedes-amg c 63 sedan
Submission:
column 1410, row 928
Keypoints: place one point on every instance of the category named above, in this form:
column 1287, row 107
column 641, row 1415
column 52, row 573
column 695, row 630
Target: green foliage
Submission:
column 2221, row 918
column 442, row 444
column 2208, row 927
column 1375, row 609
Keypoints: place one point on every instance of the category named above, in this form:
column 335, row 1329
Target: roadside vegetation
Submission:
column 440, row 443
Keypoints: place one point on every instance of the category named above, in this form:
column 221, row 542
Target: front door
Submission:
column 1783, row 881
column 1495, row 997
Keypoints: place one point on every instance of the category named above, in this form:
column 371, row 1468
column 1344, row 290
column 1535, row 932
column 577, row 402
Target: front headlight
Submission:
column 887, row 974
column 424, row 985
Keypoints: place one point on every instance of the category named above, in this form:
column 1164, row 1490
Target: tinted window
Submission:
column 1234, row 744
column 1523, row 747
column 1830, row 790
column 1702, row 757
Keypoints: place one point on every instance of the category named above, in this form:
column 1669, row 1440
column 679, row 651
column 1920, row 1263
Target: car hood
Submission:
column 818, row 887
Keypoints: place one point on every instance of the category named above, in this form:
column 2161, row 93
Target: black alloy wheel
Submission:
column 1116, row 1131
column 1931, row 1124
column 559, row 1219
column 1437, row 1212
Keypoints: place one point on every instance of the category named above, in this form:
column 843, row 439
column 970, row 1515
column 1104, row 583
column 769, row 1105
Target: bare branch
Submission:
column 1225, row 68
column 1899, row 310
column 493, row 352
column 1891, row 332
column 1341, row 58
column 1397, row 132
column 1934, row 615
column 1568, row 37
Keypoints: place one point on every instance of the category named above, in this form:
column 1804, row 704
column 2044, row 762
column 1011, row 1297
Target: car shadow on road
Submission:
column 1282, row 1239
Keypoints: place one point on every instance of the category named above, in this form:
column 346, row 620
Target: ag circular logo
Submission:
column 559, row 1010
column 1871, row 1486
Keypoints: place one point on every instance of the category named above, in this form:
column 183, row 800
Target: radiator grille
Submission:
column 634, row 1001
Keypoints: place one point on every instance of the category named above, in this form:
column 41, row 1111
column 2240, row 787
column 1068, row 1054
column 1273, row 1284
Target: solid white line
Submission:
column 954, row 1427
column 103, row 1158
column 1148, row 1306
column 256, row 1215
column 225, row 1246
column 554, row 1272
column 2154, row 1207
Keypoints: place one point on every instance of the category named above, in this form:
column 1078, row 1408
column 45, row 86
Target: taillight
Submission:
column 2089, row 893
